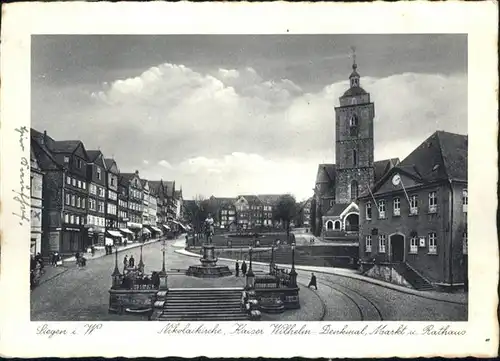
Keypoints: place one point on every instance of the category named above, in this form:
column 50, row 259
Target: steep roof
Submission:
column 44, row 158
column 381, row 167
column 251, row 198
column 127, row 177
column 156, row 185
column 269, row 198
column 441, row 156
column 93, row 154
column 65, row 146
column 169, row 188
column 326, row 173
column 337, row 209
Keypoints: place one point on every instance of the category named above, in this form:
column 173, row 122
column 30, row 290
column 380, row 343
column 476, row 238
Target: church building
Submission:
column 354, row 172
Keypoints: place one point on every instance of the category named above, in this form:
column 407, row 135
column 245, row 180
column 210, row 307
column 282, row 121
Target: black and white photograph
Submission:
column 215, row 180
column 241, row 177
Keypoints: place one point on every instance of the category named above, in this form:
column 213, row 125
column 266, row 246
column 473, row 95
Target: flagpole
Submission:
column 373, row 197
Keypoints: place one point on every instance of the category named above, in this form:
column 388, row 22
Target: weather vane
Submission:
column 353, row 48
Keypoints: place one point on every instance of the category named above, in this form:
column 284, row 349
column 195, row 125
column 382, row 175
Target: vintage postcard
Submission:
column 244, row 180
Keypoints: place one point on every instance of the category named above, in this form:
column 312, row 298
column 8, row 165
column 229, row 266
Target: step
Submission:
column 202, row 312
column 201, row 304
column 215, row 294
column 217, row 318
column 172, row 308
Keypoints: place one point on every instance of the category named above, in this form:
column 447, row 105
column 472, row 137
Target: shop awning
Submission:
column 156, row 229
column 180, row 224
column 108, row 241
column 114, row 233
column 145, row 230
column 126, row 230
column 166, row 227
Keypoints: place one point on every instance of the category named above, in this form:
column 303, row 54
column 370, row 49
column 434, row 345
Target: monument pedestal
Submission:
column 208, row 267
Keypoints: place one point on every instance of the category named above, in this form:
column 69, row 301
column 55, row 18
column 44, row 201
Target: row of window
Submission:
column 75, row 201
column 96, row 190
column 79, row 162
column 96, row 206
column 74, row 219
column 76, row 183
column 112, row 208
column 136, row 193
column 122, row 203
column 414, row 243
column 414, row 205
column 96, row 221
column 123, row 214
column 112, row 195
column 135, row 206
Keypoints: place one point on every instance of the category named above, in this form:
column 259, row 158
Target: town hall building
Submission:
column 355, row 171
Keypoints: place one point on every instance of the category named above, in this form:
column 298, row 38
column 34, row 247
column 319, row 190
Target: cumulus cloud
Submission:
column 232, row 128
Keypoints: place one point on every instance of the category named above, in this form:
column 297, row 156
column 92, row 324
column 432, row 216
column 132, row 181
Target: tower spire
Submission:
column 354, row 77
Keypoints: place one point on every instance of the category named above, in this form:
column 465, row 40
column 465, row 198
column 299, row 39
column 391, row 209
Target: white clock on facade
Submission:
column 396, row 179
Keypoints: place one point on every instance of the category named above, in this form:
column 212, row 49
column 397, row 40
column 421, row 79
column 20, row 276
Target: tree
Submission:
column 285, row 211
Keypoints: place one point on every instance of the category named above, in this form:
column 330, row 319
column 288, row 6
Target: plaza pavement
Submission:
column 81, row 294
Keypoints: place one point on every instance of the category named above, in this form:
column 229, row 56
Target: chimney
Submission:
column 137, row 172
column 44, row 139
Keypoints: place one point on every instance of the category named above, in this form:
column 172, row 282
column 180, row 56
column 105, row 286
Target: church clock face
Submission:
column 396, row 179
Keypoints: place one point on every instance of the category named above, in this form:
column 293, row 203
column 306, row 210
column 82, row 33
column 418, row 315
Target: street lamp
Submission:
column 117, row 276
column 271, row 264
column 163, row 272
column 250, row 274
column 293, row 273
column 141, row 263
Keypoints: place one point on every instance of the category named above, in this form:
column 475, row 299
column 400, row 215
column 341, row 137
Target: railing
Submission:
column 133, row 279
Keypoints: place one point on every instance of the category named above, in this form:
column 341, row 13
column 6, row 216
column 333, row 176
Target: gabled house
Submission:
column 112, row 202
column 96, row 215
column 133, row 183
column 64, row 164
column 415, row 216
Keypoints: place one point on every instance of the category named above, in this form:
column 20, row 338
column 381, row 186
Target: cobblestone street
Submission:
column 80, row 294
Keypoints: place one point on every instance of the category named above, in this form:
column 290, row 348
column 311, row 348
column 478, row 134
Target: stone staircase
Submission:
column 203, row 304
column 415, row 279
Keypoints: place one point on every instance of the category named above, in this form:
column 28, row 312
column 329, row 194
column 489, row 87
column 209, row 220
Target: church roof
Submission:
column 326, row 173
column 337, row 209
column 356, row 90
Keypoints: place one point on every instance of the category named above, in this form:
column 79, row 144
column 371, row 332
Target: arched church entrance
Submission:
column 397, row 242
column 352, row 222
column 329, row 225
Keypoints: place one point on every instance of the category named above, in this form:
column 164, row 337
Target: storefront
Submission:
column 136, row 228
column 115, row 236
column 127, row 234
column 155, row 231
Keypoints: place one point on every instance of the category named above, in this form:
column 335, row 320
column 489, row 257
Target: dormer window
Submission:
column 66, row 159
column 79, row 163
column 98, row 170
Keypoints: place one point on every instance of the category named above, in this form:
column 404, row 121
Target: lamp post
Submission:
column 271, row 264
column 163, row 272
column 141, row 263
column 250, row 274
column 116, row 273
column 293, row 273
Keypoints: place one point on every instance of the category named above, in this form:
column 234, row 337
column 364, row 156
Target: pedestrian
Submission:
column 77, row 258
column 125, row 262
column 312, row 282
column 237, row 269
column 92, row 250
column 131, row 262
column 244, row 268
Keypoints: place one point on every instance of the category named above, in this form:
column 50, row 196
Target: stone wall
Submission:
column 388, row 274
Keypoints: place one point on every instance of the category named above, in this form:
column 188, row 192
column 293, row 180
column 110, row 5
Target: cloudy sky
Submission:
column 226, row 115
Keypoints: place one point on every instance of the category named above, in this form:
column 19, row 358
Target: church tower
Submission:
column 354, row 141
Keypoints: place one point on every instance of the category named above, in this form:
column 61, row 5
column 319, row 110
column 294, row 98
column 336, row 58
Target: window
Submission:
column 66, row 159
column 414, row 244
column 381, row 209
column 84, row 185
column 91, row 204
column 353, row 121
column 68, row 199
column 100, row 191
column 413, row 205
column 68, row 180
column 82, row 220
column 72, row 219
column 332, row 202
column 78, row 202
column 83, row 203
column 79, row 184
column 465, row 200
column 464, row 243
column 336, row 225
column 368, row 210
column 368, row 244
column 112, row 181
column 73, row 201
column 98, row 170
column 66, row 218
column 93, row 189
column 396, row 207
column 73, row 181
column 100, row 207
column 432, row 243
column 329, row 225
column 382, row 241
column 354, row 190
column 432, row 202
column 79, row 163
